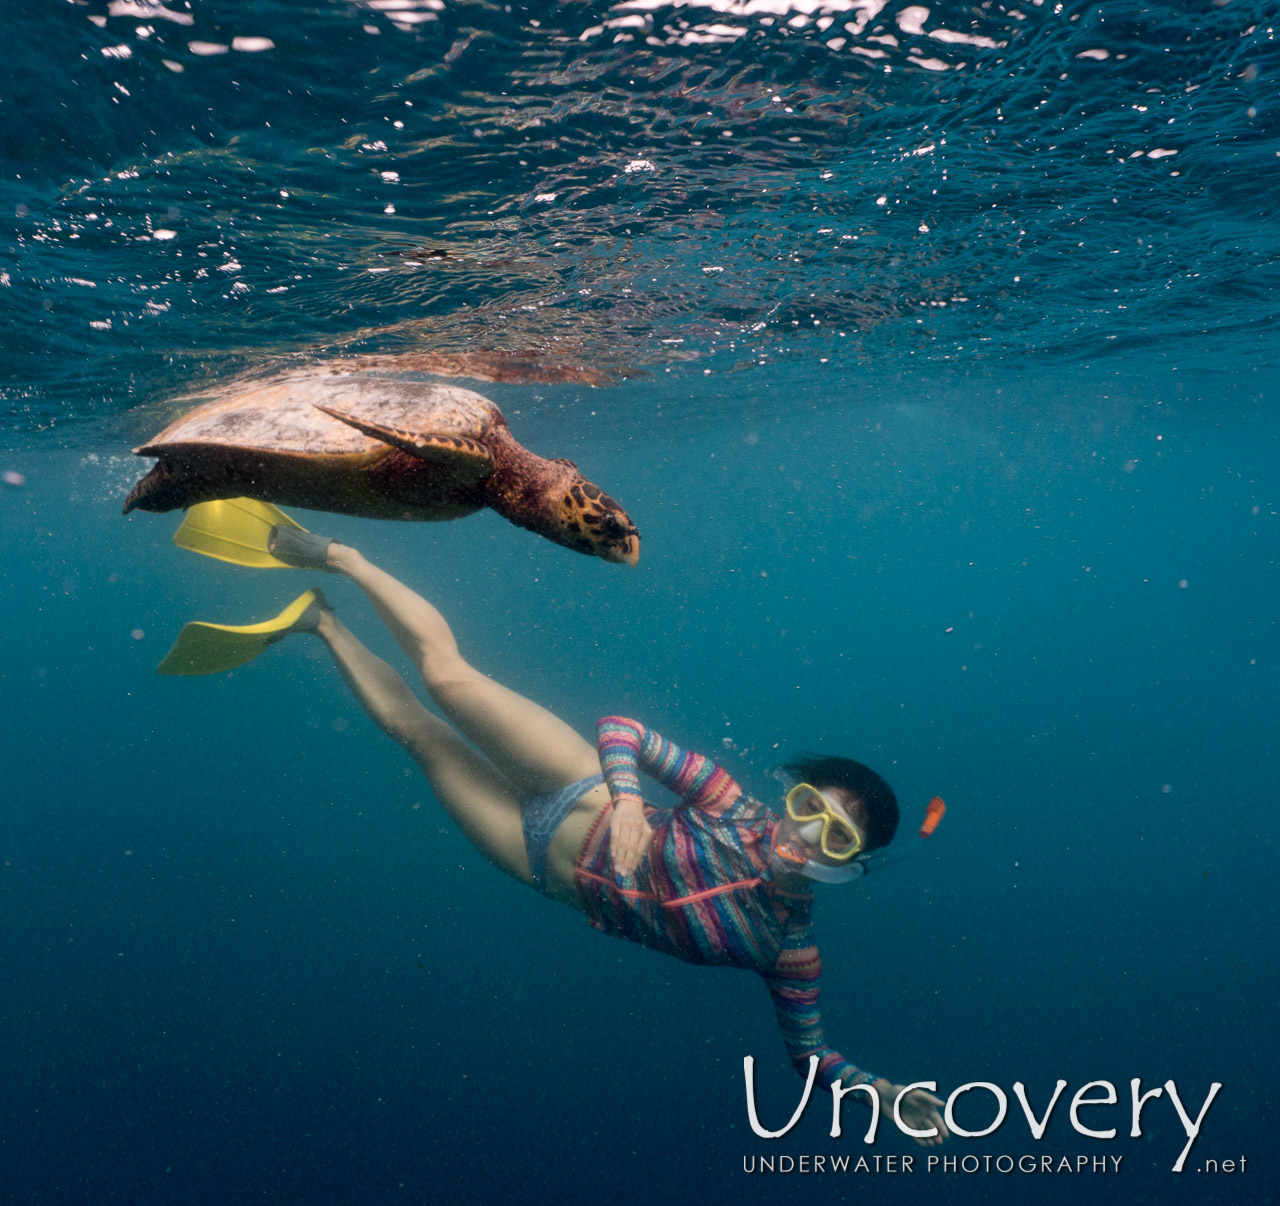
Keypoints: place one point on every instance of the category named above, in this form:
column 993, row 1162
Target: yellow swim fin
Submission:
column 235, row 530
column 203, row 648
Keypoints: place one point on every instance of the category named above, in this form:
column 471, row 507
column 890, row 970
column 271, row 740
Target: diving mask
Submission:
column 820, row 825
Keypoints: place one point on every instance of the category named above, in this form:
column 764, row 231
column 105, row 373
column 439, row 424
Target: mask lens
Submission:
column 805, row 802
column 841, row 838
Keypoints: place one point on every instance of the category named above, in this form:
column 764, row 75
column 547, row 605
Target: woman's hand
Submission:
column 919, row 1110
column 629, row 835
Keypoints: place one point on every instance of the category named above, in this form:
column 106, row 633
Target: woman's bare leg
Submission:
column 482, row 803
column 535, row 750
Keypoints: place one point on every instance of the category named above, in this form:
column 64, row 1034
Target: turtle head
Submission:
column 552, row 498
column 590, row 521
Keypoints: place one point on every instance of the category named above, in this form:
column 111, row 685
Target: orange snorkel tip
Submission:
column 932, row 816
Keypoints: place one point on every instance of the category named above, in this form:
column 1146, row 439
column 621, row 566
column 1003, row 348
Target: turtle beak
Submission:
column 631, row 555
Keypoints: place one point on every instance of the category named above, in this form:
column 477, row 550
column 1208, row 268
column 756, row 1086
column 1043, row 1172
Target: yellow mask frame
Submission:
column 805, row 803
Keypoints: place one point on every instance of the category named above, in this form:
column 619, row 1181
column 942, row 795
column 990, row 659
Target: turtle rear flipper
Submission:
column 166, row 487
column 463, row 459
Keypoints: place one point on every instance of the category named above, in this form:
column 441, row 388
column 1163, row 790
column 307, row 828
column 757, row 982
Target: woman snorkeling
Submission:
column 718, row 880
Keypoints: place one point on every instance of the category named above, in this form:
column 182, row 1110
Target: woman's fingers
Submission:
column 922, row 1109
column 628, row 839
column 629, row 849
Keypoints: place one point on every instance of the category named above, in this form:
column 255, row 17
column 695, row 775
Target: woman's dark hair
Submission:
column 876, row 795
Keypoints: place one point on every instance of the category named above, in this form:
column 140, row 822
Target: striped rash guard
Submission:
column 703, row 892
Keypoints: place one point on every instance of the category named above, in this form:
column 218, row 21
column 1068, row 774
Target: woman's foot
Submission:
column 312, row 619
column 302, row 550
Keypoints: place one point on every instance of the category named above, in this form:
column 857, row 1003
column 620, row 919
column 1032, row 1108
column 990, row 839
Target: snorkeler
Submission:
column 719, row 880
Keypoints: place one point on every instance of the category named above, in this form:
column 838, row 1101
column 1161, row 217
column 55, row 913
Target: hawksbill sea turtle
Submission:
column 376, row 445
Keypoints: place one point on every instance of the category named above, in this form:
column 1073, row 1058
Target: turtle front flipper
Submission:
column 463, row 459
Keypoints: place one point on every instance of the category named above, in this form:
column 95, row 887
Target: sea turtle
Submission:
column 377, row 445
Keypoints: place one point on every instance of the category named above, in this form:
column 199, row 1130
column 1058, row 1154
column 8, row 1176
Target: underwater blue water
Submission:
column 1018, row 549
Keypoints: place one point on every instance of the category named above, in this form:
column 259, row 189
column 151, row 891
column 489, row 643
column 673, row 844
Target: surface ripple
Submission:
column 194, row 190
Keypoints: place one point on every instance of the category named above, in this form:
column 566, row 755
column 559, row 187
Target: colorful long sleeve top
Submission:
column 703, row 892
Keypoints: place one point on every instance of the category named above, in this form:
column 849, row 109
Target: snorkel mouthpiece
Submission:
column 792, row 856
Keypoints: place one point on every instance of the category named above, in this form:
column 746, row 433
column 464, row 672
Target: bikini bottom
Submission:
column 541, row 814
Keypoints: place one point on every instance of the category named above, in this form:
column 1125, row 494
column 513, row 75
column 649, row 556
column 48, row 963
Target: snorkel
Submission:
column 880, row 859
column 811, row 820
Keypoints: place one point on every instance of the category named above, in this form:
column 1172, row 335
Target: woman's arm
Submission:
column 794, row 984
column 626, row 748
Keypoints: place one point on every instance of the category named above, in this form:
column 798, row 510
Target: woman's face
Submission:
column 844, row 804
